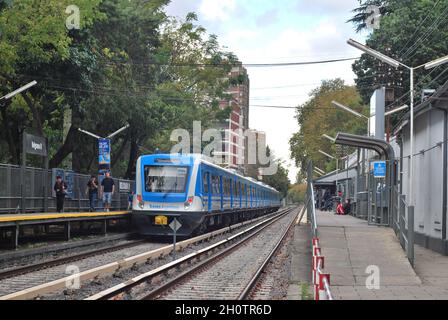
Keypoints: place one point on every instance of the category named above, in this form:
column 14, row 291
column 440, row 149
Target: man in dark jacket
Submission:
column 61, row 190
column 92, row 190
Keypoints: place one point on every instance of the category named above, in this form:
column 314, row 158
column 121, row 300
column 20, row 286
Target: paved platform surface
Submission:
column 351, row 246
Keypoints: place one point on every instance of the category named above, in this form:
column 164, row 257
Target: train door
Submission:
column 236, row 195
column 206, row 191
column 251, row 196
column 226, row 193
column 216, row 192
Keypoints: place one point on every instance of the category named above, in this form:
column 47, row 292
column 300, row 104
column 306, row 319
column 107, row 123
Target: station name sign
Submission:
column 35, row 145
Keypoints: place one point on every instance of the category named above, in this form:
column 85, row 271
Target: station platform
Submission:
column 38, row 218
column 355, row 251
column 13, row 222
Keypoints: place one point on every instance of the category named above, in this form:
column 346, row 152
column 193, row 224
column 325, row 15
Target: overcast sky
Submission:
column 272, row 31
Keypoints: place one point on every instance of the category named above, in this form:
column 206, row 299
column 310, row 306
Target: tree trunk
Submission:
column 14, row 149
column 133, row 154
column 120, row 151
column 66, row 148
column 36, row 115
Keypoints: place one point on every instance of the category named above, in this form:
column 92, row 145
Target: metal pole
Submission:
column 337, row 172
column 174, row 239
column 411, row 179
column 411, row 208
column 23, row 173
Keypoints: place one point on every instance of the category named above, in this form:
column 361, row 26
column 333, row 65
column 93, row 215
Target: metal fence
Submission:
column 321, row 280
column 36, row 194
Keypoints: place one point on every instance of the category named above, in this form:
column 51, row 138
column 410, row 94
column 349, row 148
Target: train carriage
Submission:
column 197, row 192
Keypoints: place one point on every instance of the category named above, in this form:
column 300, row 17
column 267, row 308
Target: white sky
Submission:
column 268, row 31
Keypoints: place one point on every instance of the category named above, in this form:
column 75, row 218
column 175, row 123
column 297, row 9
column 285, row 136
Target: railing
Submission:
column 321, row 280
column 35, row 193
column 406, row 233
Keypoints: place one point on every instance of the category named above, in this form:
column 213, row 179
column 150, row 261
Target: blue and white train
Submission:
column 198, row 193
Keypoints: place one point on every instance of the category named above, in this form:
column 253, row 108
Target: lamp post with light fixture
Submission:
column 394, row 63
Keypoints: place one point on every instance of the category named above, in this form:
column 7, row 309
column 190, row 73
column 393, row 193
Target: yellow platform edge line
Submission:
column 44, row 216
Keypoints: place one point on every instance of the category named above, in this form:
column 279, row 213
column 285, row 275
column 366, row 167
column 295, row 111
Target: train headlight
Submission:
column 141, row 204
column 188, row 203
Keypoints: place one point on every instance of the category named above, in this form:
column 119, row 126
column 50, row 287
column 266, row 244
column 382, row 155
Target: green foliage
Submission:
column 128, row 63
column 317, row 116
column 414, row 32
column 297, row 193
column 279, row 180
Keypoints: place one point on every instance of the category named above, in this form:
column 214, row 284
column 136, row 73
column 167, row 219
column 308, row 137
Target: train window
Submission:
column 235, row 189
column 205, row 182
column 227, row 186
column 215, row 185
column 165, row 179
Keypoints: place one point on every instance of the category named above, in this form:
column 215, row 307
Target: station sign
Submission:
column 35, row 145
column 124, row 186
column 379, row 169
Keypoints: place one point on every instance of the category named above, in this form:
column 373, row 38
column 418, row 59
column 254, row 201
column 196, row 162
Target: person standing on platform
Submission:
column 107, row 190
column 92, row 190
column 61, row 191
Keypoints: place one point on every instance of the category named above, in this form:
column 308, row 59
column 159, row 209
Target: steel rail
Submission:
column 61, row 261
column 116, row 266
column 167, row 286
column 128, row 285
column 254, row 280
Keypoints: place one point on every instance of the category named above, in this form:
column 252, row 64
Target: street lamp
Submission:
column 108, row 138
column 319, row 170
column 337, row 166
column 359, row 115
column 394, row 63
column 16, row 92
column 333, row 140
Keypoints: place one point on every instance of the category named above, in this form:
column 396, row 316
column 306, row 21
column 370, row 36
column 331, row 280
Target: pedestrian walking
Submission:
column 60, row 187
column 107, row 191
column 92, row 191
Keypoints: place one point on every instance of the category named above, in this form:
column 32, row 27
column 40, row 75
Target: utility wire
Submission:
column 418, row 28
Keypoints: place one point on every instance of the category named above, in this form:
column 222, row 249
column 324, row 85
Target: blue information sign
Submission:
column 379, row 169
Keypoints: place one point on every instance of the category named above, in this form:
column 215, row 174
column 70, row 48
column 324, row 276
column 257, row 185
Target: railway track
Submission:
column 25, row 286
column 229, row 269
column 14, row 272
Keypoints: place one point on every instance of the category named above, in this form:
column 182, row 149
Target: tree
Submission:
column 362, row 14
column 413, row 32
column 317, row 117
column 128, row 63
column 279, row 180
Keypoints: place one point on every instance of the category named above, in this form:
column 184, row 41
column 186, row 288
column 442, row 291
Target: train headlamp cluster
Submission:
column 141, row 204
column 188, row 203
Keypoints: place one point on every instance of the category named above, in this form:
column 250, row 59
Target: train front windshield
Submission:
column 166, row 179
